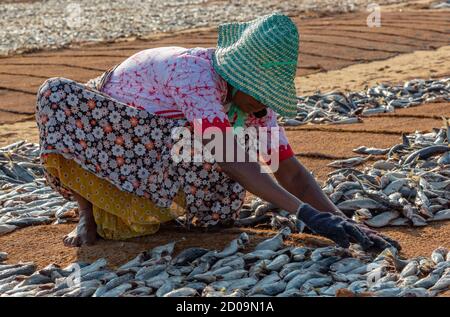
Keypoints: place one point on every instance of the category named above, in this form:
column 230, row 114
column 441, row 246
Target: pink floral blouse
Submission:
column 177, row 82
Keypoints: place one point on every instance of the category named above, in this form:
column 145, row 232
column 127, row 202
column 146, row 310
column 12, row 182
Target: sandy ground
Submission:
column 419, row 64
column 421, row 52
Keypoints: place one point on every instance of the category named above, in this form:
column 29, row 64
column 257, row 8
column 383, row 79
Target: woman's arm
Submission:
column 249, row 175
column 295, row 178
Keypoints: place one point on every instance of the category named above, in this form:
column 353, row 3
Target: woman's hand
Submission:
column 333, row 227
column 343, row 230
column 380, row 241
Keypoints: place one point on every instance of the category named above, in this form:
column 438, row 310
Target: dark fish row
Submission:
column 410, row 187
column 342, row 108
column 271, row 269
column 25, row 198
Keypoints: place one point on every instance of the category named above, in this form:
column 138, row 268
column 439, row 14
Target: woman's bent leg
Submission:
column 86, row 230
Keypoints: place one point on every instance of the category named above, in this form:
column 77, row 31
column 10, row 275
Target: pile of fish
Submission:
column 441, row 5
column 410, row 187
column 271, row 269
column 264, row 214
column 344, row 108
column 25, row 198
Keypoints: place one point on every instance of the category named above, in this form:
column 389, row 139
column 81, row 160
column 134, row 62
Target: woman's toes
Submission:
column 70, row 241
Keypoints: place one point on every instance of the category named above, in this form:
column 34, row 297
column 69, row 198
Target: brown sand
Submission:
column 327, row 47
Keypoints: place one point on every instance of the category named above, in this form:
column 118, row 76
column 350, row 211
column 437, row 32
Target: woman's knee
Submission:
column 51, row 84
column 49, row 87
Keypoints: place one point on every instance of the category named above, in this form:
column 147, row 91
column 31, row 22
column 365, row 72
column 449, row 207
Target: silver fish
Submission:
column 188, row 255
column 370, row 150
column 299, row 280
column 209, row 291
column 299, row 254
column 382, row 219
column 291, row 267
column 181, row 292
column 271, row 289
column 222, row 270
column 351, row 162
column 355, row 204
column 407, row 281
column 259, row 255
column 274, row 243
column 358, row 286
column 384, row 165
column 165, row 288
column 278, row 262
column 331, row 291
column 113, row 284
column 236, row 262
column 243, row 284
column 388, row 292
column 428, row 281
column 198, row 286
column 25, row 269
column 146, row 273
column 292, row 292
column 4, row 228
column 269, row 279
column 325, row 252
column 412, row 268
column 157, row 281
column 414, row 292
column 441, row 215
column 234, row 246
column 163, row 250
column 442, row 284
column 117, row 291
column 438, row 255
column 234, row 275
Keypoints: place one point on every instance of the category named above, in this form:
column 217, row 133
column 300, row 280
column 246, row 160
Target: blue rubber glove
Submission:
column 333, row 227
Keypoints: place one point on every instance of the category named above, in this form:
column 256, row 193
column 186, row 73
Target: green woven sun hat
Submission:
column 259, row 58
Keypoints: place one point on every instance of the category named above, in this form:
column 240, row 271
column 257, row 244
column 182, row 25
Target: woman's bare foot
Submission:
column 86, row 231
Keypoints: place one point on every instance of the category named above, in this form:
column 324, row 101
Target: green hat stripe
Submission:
column 272, row 84
column 260, row 81
column 277, row 44
column 263, row 63
column 283, row 50
column 247, row 61
column 282, row 69
column 250, row 89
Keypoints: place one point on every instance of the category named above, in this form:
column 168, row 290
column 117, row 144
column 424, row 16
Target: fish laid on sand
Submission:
column 272, row 269
column 404, row 190
column 345, row 108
